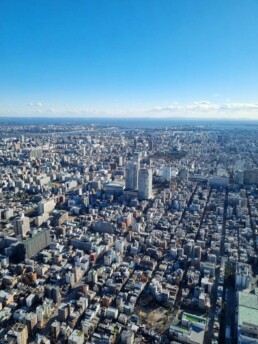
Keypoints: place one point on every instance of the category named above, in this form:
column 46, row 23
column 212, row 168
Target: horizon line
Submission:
column 130, row 118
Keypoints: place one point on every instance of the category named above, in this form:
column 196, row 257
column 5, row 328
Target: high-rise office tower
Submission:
column 137, row 157
column 145, row 183
column 151, row 146
column 21, row 225
column 135, row 142
column 131, row 175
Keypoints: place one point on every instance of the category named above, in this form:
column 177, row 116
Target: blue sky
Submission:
column 182, row 58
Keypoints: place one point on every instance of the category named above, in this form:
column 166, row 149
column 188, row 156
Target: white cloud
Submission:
column 205, row 108
column 240, row 106
column 51, row 110
column 38, row 104
column 202, row 102
column 195, row 109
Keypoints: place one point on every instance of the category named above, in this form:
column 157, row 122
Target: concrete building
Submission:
column 115, row 189
column 35, row 153
column 191, row 329
column 183, row 173
column 127, row 337
column 55, row 330
column 218, row 181
column 166, row 173
column 77, row 337
column 31, row 321
column 60, row 217
column 251, row 176
column 40, row 314
column 21, row 225
column 18, row 332
column 36, row 243
column 7, row 213
column 131, row 175
column 145, row 184
column 46, row 206
column 247, row 318
column 243, row 275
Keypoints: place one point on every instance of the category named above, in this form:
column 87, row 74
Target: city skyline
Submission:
column 150, row 230
column 134, row 59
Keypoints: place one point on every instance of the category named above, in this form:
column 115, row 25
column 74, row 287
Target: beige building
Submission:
column 18, row 332
column 21, row 225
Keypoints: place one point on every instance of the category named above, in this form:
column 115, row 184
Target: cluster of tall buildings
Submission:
column 138, row 179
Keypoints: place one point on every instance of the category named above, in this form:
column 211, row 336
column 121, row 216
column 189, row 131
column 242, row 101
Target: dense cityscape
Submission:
column 129, row 172
column 114, row 235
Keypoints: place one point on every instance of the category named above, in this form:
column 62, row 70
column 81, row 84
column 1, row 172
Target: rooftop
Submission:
column 247, row 308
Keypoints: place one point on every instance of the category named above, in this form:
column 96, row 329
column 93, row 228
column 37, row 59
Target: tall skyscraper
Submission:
column 145, row 183
column 135, row 142
column 137, row 157
column 151, row 146
column 21, row 225
column 131, row 175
